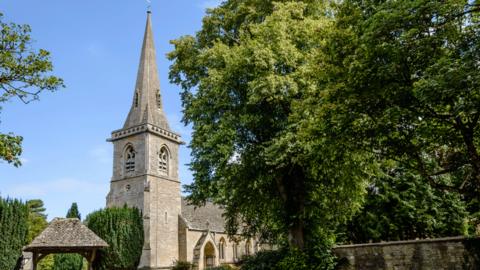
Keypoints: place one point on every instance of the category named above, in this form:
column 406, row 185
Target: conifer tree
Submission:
column 13, row 231
column 122, row 229
column 69, row 261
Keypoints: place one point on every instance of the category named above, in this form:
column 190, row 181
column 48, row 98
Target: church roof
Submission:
column 66, row 234
column 147, row 102
column 203, row 218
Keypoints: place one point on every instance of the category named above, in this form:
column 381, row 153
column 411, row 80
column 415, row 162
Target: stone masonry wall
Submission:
column 453, row 253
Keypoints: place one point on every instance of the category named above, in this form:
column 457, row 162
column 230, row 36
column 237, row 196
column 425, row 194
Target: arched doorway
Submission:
column 209, row 255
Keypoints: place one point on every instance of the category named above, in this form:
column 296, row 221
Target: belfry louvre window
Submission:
column 129, row 159
column 163, row 161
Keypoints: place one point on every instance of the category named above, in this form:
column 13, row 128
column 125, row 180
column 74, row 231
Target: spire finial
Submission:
column 149, row 7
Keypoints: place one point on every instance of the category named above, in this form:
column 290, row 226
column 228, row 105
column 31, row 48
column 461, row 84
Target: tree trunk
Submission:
column 296, row 236
column 293, row 193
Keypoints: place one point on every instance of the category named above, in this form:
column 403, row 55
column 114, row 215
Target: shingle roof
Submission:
column 66, row 233
column 203, row 218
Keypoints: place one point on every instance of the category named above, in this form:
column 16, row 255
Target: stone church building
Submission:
column 145, row 175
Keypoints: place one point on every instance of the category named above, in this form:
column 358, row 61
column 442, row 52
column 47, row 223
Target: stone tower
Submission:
column 145, row 164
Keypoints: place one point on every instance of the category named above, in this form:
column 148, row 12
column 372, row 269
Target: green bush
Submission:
column 122, row 229
column 67, row 262
column 223, row 267
column 181, row 265
column 13, row 231
column 262, row 260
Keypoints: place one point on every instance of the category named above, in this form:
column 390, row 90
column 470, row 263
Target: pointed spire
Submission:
column 147, row 101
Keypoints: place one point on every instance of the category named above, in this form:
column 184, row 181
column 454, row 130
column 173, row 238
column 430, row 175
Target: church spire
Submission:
column 147, row 101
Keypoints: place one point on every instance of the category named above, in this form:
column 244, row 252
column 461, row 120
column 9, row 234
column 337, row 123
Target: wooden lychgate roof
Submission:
column 66, row 234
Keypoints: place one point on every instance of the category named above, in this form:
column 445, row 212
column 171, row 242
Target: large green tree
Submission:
column 403, row 78
column 398, row 81
column 243, row 76
column 24, row 74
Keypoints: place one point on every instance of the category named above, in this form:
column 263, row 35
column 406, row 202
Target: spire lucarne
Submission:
column 147, row 104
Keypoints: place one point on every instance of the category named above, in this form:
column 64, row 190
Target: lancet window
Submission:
column 221, row 249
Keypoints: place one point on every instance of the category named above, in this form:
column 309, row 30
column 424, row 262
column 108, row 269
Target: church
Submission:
column 145, row 175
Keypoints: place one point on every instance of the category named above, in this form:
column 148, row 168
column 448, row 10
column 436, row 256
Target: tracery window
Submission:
column 163, row 161
column 129, row 159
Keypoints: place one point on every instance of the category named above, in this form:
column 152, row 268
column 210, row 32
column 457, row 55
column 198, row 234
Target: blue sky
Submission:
column 95, row 48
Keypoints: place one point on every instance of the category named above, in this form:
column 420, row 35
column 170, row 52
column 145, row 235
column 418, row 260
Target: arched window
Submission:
column 129, row 159
column 235, row 251
column 221, row 249
column 136, row 99
column 163, row 161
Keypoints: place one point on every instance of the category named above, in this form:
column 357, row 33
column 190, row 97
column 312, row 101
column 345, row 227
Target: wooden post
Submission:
column 91, row 258
column 34, row 261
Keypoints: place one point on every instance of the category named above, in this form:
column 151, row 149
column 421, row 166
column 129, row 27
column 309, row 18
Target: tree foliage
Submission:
column 402, row 77
column 37, row 219
column 122, row 229
column 69, row 261
column 73, row 212
column 401, row 205
column 295, row 105
column 14, row 230
column 243, row 75
column 24, row 75
column 37, row 222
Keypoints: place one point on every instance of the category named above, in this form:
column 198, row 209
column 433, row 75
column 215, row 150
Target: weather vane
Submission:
column 149, row 7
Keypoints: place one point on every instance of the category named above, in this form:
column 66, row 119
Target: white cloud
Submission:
column 209, row 3
column 44, row 188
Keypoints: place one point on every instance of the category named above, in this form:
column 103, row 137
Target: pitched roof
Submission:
column 66, row 233
column 203, row 218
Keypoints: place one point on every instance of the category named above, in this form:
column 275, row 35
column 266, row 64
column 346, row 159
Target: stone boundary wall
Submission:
column 451, row 253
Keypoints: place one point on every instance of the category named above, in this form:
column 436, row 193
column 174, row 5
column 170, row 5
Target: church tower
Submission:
column 145, row 164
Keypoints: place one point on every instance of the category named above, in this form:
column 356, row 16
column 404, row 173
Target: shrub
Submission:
column 13, row 231
column 262, row 260
column 180, row 265
column 223, row 267
column 122, row 229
